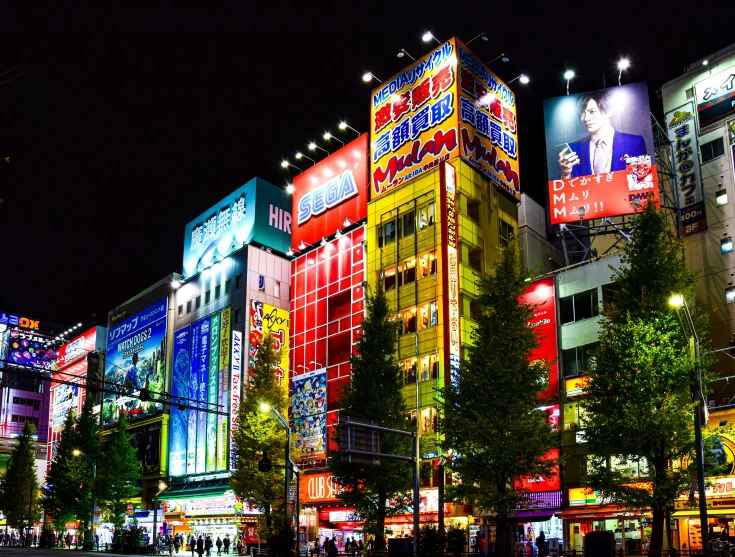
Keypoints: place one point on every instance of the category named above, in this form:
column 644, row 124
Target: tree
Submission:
column 259, row 434
column 118, row 472
column 87, row 443
column 638, row 411
column 376, row 393
column 19, row 500
column 61, row 494
column 491, row 418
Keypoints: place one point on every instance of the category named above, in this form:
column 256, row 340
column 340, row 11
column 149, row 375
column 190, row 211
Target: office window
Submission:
column 473, row 209
column 238, row 281
column 409, row 371
column 579, row 360
column 198, row 302
column 579, row 306
column 608, row 292
column 228, row 287
column 712, row 150
column 386, row 233
column 475, row 259
column 726, row 245
column 188, row 307
column 389, row 278
column 407, row 272
column 505, row 232
column 277, row 289
column 406, row 224
column 427, row 215
column 217, row 292
column 180, row 311
column 207, row 296
column 427, row 263
column 238, row 315
column 721, row 198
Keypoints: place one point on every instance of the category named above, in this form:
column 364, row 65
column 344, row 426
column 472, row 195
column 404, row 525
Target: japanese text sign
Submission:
column 716, row 97
column 541, row 294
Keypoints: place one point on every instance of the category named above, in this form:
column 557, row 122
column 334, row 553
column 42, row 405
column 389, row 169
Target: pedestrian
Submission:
column 208, row 546
column 218, row 543
column 200, row 546
column 177, row 543
column 226, row 543
column 332, row 548
column 541, row 544
column 192, row 544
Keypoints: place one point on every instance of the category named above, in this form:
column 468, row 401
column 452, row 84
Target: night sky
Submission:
column 125, row 126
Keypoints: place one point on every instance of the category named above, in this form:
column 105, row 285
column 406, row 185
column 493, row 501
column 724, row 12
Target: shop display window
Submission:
column 427, row 215
column 428, row 420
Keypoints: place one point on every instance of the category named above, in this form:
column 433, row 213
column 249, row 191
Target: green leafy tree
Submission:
column 61, row 494
column 87, row 442
column 638, row 412
column 19, row 493
column 258, row 434
column 376, row 393
column 118, row 472
column 491, row 418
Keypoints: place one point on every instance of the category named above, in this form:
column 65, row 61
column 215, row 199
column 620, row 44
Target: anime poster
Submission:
column 309, row 410
column 265, row 318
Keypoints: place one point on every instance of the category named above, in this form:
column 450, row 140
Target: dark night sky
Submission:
column 125, row 126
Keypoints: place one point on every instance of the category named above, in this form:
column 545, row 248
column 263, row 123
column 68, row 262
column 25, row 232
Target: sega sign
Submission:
column 331, row 191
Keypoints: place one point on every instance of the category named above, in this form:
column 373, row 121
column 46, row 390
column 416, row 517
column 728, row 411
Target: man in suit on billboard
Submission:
column 604, row 149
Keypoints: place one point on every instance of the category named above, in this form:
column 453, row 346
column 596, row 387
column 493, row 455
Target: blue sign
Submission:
column 180, row 388
column 203, row 374
column 136, row 359
column 257, row 211
column 191, row 439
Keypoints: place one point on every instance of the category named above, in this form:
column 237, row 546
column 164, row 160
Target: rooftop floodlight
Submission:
column 568, row 75
column 502, row 56
column 483, row 36
column 427, row 36
column 299, row 156
column 328, row 136
column 314, row 146
column 402, row 53
column 346, row 126
column 523, row 78
column 624, row 64
column 367, row 77
column 290, row 188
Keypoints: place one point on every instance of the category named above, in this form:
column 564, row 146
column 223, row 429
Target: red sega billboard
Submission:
column 541, row 294
column 329, row 192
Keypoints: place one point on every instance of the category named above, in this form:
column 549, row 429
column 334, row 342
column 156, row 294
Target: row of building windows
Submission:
column 579, row 360
column 406, row 272
column 23, row 419
column 215, row 294
column 405, row 225
column 418, row 318
column 27, row 402
column 423, row 368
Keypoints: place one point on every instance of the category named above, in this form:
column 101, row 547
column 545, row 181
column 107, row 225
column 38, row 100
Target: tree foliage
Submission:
column 118, row 472
column 638, row 411
column 376, row 393
column 258, row 432
column 491, row 418
column 19, row 492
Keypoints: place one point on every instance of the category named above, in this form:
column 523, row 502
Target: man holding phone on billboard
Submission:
column 605, row 149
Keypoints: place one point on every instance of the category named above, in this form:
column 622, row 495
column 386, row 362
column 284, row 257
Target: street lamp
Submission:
column 624, row 64
column 568, row 75
column 77, row 452
column 161, row 488
column 677, row 301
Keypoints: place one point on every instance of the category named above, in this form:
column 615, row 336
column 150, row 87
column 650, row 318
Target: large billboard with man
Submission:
column 599, row 153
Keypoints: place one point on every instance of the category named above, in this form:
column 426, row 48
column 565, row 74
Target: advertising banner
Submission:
column 683, row 136
column 487, row 123
column 715, row 97
column 451, row 268
column 66, row 398
column 540, row 483
column 235, row 387
column 309, row 411
column 265, row 318
column 413, row 120
column 27, row 347
column 213, row 391
column 201, row 458
column 75, row 351
column 599, row 153
column 332, row 190
column 319, row 488
column 541, row 294
column 180, row 388
column 191, row 440
column 224, row 387
column 136, row 358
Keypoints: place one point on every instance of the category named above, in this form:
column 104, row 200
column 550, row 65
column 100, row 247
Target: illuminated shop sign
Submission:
column 576, row 386
column 716, row 97
column 235, row 387
column 17, row 321
column 318, row 488
column 451, row 261
column 541, row 295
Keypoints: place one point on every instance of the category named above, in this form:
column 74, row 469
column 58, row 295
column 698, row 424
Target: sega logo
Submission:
column 328, row 195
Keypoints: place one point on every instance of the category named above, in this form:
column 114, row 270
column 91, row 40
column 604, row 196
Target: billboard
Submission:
column 198, row 441
column 536, row 484
column 136, row 359
column 683, row 136
column 27, row 347
column 541, row 294
column 715, row 97
column 65, row 399
column 309, row 411
column 599, row 153
column 146, row 444
column 257, row 211
column 487, row 123
column 265, row 318
column 330, row 191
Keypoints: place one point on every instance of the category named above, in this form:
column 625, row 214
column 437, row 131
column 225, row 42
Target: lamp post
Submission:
column 161, row 488
column 678, row 302
column 77, row 452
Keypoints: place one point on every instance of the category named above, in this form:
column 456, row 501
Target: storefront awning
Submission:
column 694, row 513
column 195, row 492
column 533, row 516
column 600, row 512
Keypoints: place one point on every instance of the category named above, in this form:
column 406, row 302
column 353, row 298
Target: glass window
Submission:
column 216, row 292
column 198, row 302
column 429, row 366
column 473, row 209
column 433, row 314
column 406, row 224
column 428, row 419
column 579, row 360
column 730, row 294
column 427, row 264
column 608, row 292
column 712, row 150
column 228, row 287
column 573, row 415
column 238, row 315
column 188, row 306
column 389, row 278
column 475, row 259
column 36, row 404
column 238, row 281
column 180, row 311
column 579, row 306
column 427, row 215
column 409, row 371
column 427, row 317
column 726, row 245
column 206, row 296
column 387, row 233
column 408, row 272
column 277, row 289
column 505, row 232
column 721, row 198
column 408, row 321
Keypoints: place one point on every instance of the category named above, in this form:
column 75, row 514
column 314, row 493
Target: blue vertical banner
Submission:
column 180, row 388
column 201, row 458
column 191, row 438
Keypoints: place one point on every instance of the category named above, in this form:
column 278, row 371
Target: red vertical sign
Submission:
column 541, row 294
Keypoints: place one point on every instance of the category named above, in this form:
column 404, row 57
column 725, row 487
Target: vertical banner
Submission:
column 212, row 392
column 265, row 318
column 235, row 385
column 309, row 411
column 224, row 387
column 180, row 388
column 683, row 136
column 191, row 438
column 201, row 460
column 541, row 294
column 448, row 178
